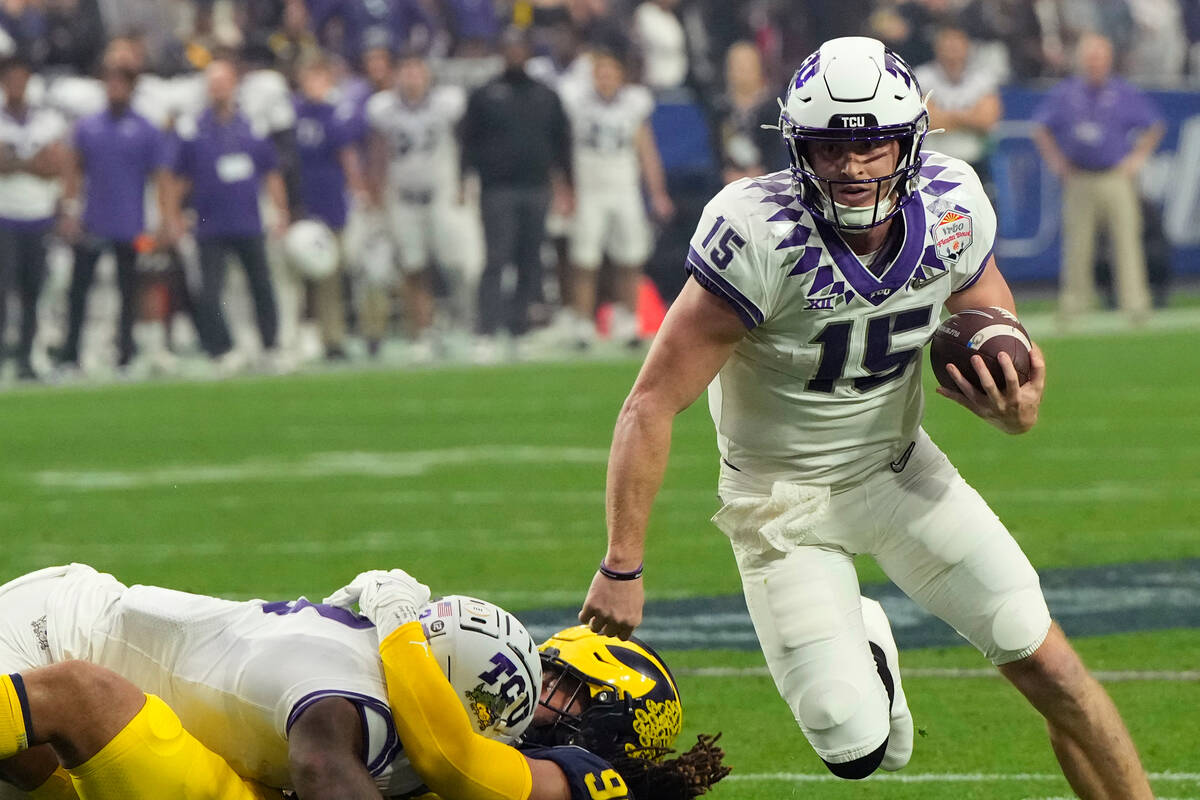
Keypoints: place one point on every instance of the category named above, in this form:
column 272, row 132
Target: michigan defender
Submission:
column 614, row 153
column 812, row 292
column 609, row 713
column 413, row 166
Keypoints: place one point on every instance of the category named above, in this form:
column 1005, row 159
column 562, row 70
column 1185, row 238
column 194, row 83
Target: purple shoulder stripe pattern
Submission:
column 978, row 273
column 391, row 744
column 709, row 277
column 939, row 187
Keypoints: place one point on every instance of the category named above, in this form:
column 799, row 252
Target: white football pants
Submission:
column 938, row 541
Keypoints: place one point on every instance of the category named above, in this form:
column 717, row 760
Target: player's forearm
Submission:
column 636, row 465
column 452, row 759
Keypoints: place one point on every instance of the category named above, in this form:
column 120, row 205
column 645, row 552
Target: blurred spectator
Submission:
column 365, row 24
column 222, row 161
column 292, row 40
column 328, row 164
column 32, row 159
column 662, row 42
column 473, row 26
column 566, row 63
column 614, row 154
column 747, row 149
column 910, row 28
column 1159, row 49
column 116, row 152
column 1015, row 28
column 516, row 138
column 963, row 100
column 1095, row 132
column 413, row 172
column 74, row 34
column 23, row 30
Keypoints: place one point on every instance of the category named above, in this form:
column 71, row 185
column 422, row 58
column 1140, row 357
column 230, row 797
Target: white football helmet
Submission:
column 854, row 89
column 491, row 660
column 311, row 249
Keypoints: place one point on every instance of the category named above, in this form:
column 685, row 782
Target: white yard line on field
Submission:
column 938, row 777
column 318, row 465
column 1108, row 676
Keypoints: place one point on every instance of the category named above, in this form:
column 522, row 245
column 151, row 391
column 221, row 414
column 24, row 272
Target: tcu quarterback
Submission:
column 811, row 294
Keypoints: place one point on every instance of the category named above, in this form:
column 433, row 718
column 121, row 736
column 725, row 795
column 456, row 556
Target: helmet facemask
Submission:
column 891, row 192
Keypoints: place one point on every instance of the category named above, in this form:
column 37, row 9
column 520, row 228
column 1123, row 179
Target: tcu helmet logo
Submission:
column 856, row 121
column 952, row 235
column 489, row 704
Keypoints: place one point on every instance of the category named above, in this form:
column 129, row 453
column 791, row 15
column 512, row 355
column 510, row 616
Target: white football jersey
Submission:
column 604, row 134
column 420, row 138
column 826, row 385
column 238, row 674
column 25, row 196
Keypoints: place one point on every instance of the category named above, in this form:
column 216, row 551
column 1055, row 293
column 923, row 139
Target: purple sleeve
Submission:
column 160, row 149
column 181, row 154
column 1142, row 110
column 266, row 157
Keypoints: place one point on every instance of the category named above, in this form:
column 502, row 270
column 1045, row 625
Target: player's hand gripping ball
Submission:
column 986, row 332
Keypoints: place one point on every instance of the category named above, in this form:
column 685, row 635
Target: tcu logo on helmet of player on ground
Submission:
column 490, row 659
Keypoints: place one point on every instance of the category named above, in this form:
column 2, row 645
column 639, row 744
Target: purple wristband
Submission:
column 616, row 575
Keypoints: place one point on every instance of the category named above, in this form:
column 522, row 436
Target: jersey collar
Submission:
column 875, row 290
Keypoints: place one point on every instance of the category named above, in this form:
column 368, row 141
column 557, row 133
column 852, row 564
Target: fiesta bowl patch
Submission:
column 951, row 236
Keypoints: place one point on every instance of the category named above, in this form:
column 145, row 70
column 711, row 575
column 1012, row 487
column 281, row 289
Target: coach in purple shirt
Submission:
column 221, row 162
column 116, row 152
column 1095, row 132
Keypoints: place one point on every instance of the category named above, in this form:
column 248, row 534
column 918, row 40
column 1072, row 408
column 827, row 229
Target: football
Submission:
column 987, row 332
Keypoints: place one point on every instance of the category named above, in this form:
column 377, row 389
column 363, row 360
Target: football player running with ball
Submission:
column 812, row 292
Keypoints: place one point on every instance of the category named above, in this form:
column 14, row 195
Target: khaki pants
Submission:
column 331, row 310
column 1094, row 201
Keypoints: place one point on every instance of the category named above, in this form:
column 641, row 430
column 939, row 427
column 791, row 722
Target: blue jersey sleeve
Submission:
column 589, row 776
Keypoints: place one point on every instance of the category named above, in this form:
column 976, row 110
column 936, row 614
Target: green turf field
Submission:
column 490, row 481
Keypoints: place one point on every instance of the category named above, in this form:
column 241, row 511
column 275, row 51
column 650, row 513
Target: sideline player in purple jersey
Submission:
column 328, row 163
column 812, row 293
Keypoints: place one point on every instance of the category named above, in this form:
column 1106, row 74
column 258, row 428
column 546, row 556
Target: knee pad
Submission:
column 828, row 704
column 845, row 724
column 858, row 768
column 1019, row 626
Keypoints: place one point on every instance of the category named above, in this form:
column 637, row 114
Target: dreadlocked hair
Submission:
column 689, row 775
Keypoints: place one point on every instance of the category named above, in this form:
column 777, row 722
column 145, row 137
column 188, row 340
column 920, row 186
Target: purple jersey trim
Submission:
column 978, row 273
column 872, row 289
column 391, row 746
column 708, row 277
column 337, row 614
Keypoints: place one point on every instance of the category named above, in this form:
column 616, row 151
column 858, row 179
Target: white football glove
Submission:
column 388, row 598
